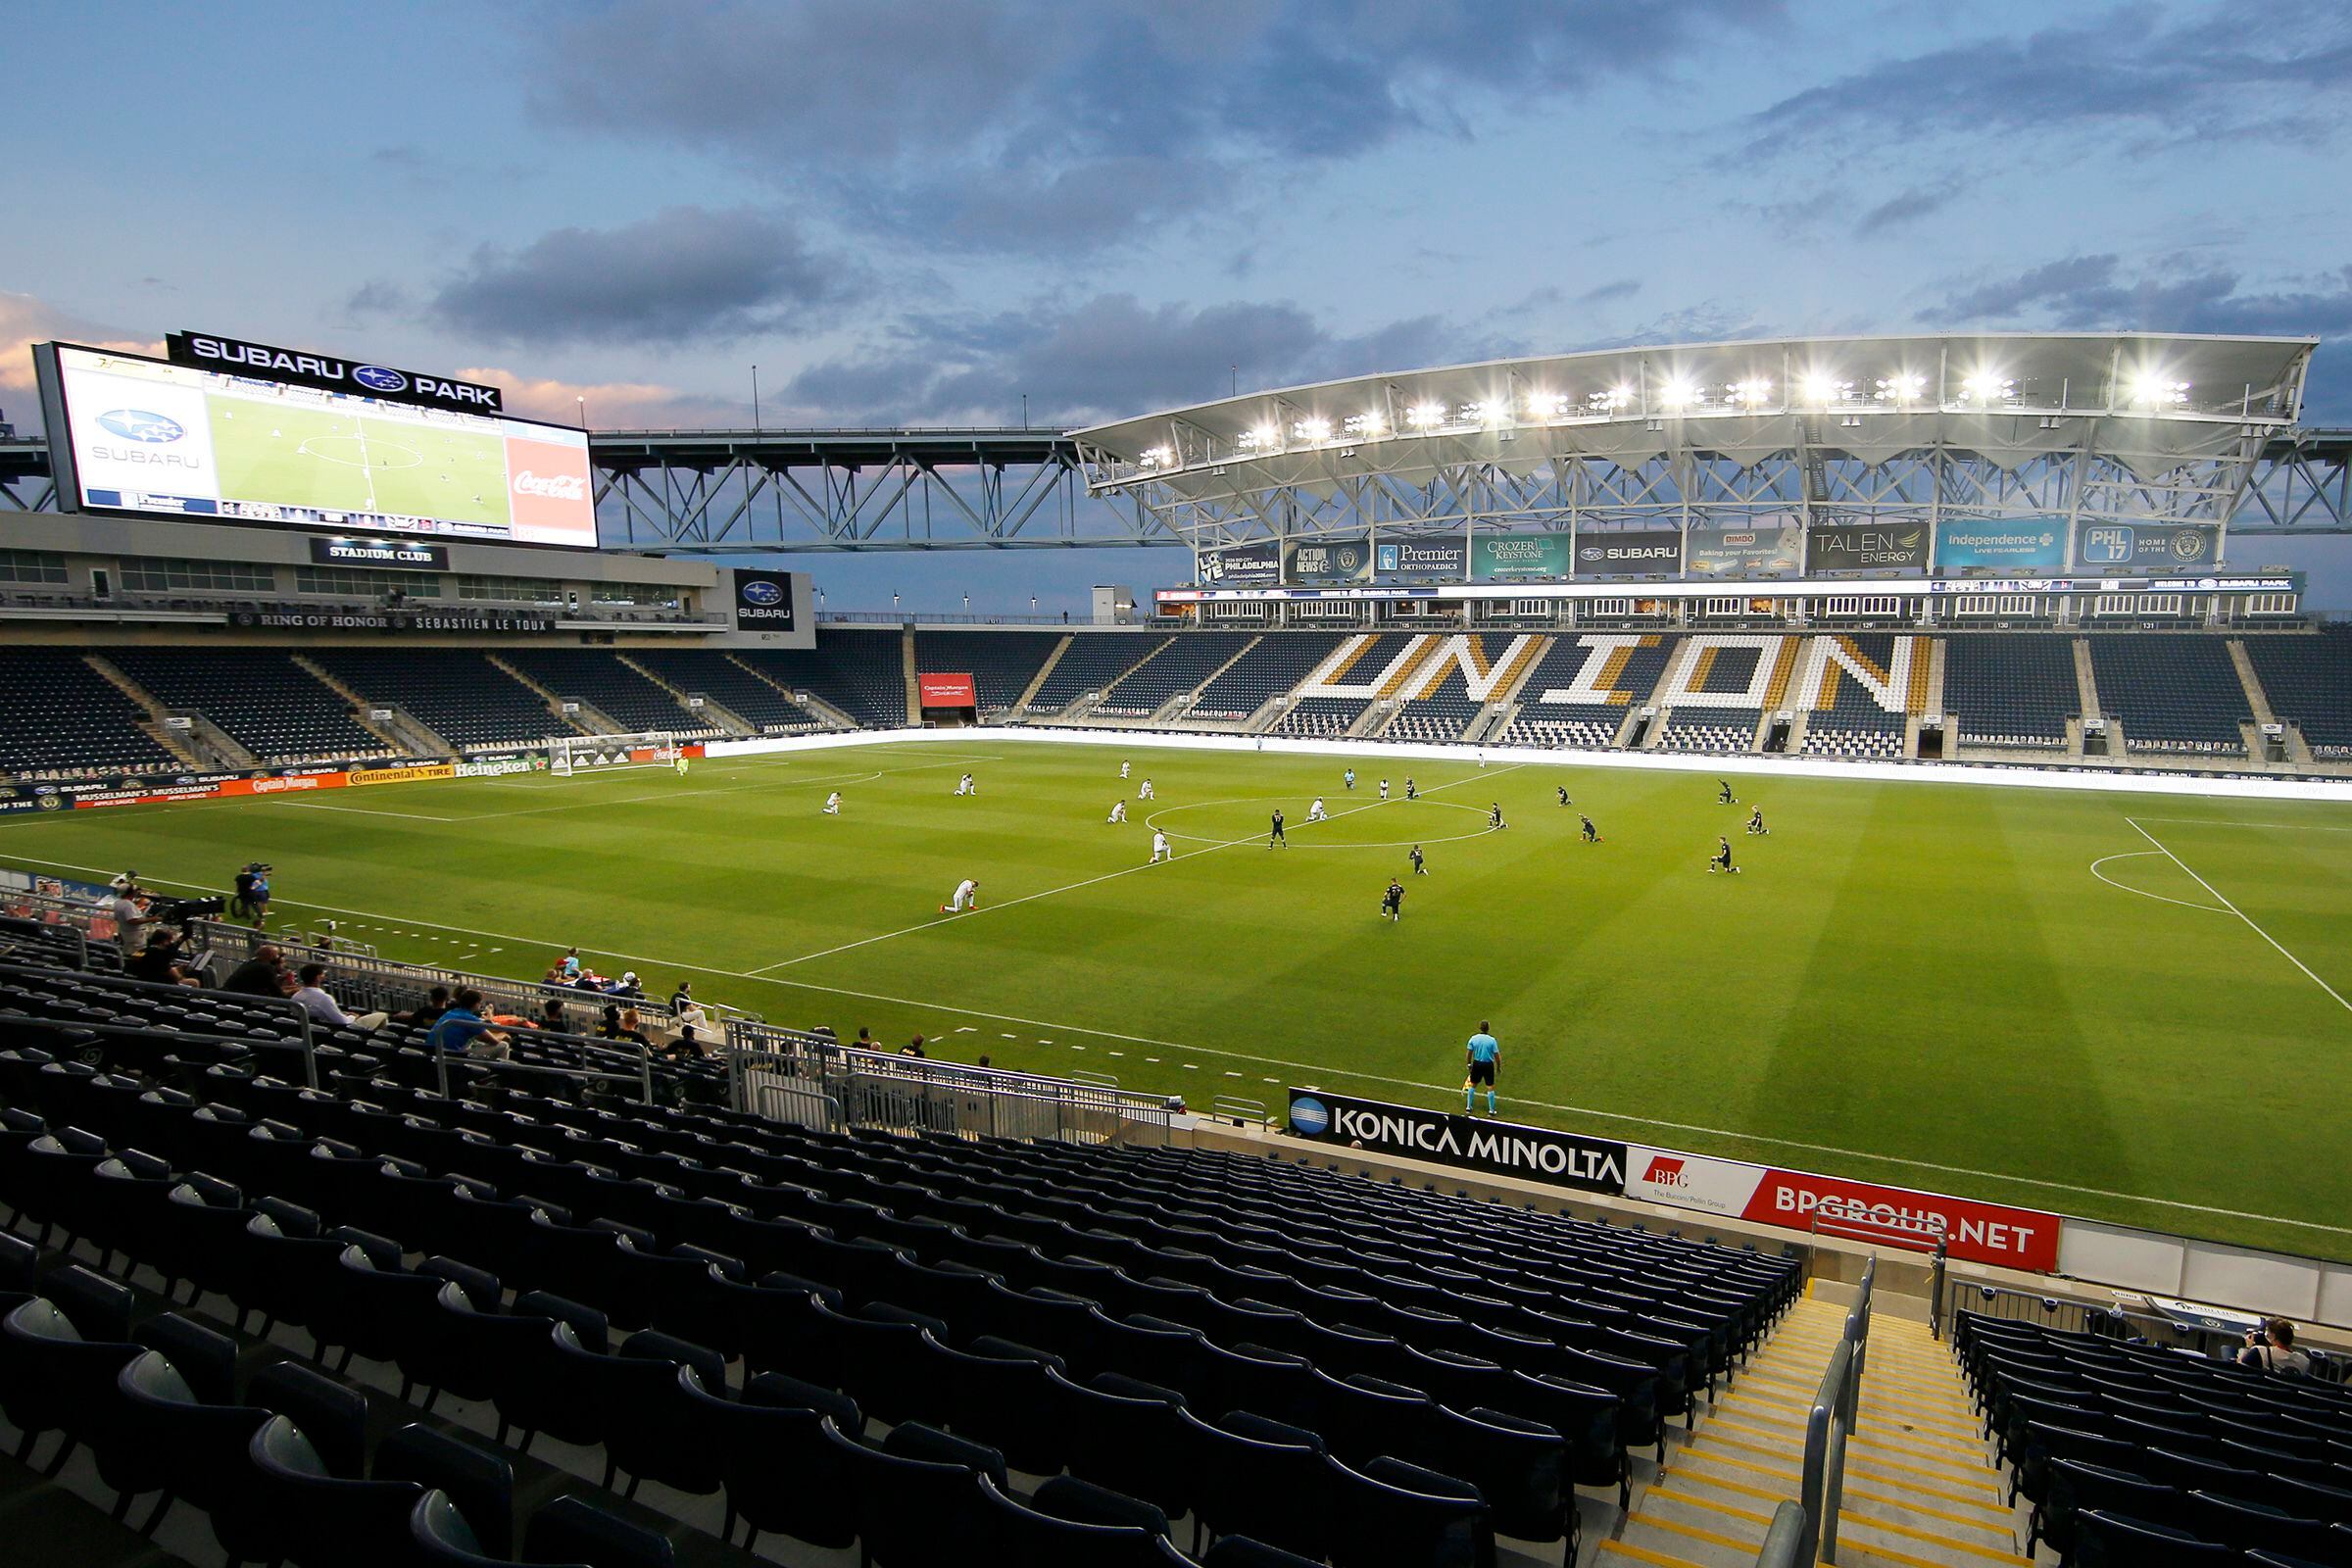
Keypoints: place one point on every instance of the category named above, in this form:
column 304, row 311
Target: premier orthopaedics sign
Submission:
column 1538, row 1153
column 302, row 368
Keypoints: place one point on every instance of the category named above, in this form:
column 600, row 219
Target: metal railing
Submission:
column 812, row 1080
column 284, row 1007
column 1785, row 1541
column 1833, row 1419
column 597, row 1062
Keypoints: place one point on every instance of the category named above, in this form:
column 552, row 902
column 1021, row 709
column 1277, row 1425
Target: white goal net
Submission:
column 567, row 755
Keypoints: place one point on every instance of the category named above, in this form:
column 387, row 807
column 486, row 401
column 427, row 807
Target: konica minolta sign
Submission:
column 1499, row 1147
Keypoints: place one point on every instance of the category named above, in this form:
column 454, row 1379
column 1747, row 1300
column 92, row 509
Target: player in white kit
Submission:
column 1145, row 794
column 1315, row 812
column 967, row 896
column 965, row 786
column 833, row 803
column 1122, row 770
column 1160, row 848
column 1118, row 810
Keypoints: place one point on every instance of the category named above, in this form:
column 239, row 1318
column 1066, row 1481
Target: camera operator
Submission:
column 131, row 920
column 251, row 900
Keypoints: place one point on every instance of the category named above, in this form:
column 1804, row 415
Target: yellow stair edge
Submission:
column 1622, row 1549
column 1918, row 1445
column 1909, row 1533
column 1676, row 1528
column 1936, row 1421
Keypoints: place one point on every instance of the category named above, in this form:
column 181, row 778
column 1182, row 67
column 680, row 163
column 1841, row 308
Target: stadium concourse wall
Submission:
column 1751, row 1198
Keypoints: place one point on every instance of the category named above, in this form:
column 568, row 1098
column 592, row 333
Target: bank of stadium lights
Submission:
column 1987, row 388
column 1366, row 427
column 1157, row 457
column 1313, row 429
column 2153, row 391
column 1547, row 405
column 1752, row 393
column 1678, row 394
column 1904, row 386
column 1424, row 416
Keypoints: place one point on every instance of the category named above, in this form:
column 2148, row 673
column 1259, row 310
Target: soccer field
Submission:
column 2125, row 1007
column 300, row 456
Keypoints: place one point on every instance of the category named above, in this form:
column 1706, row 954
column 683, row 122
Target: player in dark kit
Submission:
column 1494, row 813
column 1418, row 868
column 1591, row 833
column 1727, row 798
column 1392, row 903
column 1410, row 793
column 1274, row 835
column 1562, row 790
column 1723, row 857
column 1755, row 821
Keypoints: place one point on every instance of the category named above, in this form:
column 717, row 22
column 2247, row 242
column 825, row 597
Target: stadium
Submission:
column 841, row 1085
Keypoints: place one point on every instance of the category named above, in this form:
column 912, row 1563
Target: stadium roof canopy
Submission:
column 2149, row 403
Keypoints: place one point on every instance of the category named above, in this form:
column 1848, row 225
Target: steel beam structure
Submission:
column 739, row 491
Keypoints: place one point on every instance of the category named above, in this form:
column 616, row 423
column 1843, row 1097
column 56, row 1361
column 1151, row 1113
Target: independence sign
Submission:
column 1494, row 1148
column 1519, row 557
column 2029, row 545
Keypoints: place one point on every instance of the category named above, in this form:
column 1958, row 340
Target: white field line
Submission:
column 2226, row 822
column 1108, row 876
column 2241, row 914
column 2125, row 887
column 362, row 810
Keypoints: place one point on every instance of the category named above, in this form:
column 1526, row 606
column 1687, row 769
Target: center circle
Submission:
column 1303, row 834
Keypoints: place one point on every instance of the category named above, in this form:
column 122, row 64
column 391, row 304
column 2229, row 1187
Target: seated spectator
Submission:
column 914, row 1047
column 435, row 1004
column 619, row 1024
column 682, row 997
column 629, row 989
column 569, row 963
column 2272, row 1349
column 264, row 974
column 553, row 1018
column 159, row 962
column 865, row 1040
column 555, row 976
column 464, row 1031
column 322, row 1007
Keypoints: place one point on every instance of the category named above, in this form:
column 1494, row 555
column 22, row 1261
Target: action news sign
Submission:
column 264, row 361
column 763, row 600
column 1327, row 563
column 1500, row 1148
column 1976, row 1232
column 379, row 552
column 1640, row 553
column 948, row 691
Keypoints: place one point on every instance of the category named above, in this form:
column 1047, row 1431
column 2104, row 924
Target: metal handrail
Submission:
column 295, row 1010
column 643, row 1077
column 1785, row 1542
column 1834, row 1417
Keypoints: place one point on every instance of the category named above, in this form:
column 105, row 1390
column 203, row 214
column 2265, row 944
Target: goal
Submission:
column 567, row 755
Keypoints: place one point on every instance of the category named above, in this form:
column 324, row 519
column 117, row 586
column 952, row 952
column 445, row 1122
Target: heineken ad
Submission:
column 1879, row 547
column 1448, row 559
column 1637, row 553
column 1327, row 563
column 1258, row 564
column 1519, row 557
column 1744, row 552
column 1449, row 1138
column 2146, row 546
column 2028, row 545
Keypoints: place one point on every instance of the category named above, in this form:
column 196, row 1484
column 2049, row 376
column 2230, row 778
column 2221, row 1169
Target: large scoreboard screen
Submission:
column 262, row 437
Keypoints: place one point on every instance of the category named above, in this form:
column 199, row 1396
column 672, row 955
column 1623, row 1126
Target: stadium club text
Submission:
column 300, row 367
column 1564, row 1159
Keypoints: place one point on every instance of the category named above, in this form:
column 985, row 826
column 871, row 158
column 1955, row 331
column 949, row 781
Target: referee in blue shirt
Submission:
column 1484, row 1057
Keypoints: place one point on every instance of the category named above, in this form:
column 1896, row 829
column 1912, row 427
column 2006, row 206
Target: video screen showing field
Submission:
column 304, row 456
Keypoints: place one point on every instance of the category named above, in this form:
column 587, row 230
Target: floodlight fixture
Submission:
column 2154, row 389
column 1819, row 388
column 1749, row 393
column 1677, row 393
column 1424, row 416
column 1158, row 457
column 1546, row 405
column 1985, row 385
column 1313, row 429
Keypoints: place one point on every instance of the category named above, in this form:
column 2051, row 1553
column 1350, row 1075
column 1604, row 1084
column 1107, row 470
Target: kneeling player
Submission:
column 1562, row 791
column 1755, row 821
column 1494, row 815
column 1315, row 812
column 1392, row 903
column 965, row 786
column 1723, row 857
column 1419, row 870
column 967, row 896
column 1160, row 848
column 833, row 803
column 1727, row 798
column 1118, row 810
column 1410, row 793
column 1145, row 794
column 1591, row 833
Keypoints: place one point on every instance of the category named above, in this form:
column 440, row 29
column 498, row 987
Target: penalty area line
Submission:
column 2223, row 900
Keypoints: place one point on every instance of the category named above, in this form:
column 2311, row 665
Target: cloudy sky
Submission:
column 909, row 212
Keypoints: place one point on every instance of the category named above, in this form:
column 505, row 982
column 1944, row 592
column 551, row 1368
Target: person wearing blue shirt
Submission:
column 1486, row 1058
column 464, row 1031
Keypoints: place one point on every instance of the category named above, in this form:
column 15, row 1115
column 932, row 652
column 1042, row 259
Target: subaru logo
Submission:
column 1309, row 1116
column 376, row 379
column 762, row 593
column 138, row 425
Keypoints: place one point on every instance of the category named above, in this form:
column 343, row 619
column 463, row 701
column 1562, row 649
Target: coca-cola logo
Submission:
column 552, row 486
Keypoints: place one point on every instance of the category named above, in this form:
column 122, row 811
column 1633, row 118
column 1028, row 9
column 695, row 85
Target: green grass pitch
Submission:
column 299, row 456
column 2020, row 995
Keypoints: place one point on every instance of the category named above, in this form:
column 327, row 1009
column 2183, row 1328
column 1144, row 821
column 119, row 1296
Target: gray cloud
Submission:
column 1623, row 288
column 1027, row 127
column 1908, row 207
column 2207, row 76
column 684, row 275
column 1107, row 356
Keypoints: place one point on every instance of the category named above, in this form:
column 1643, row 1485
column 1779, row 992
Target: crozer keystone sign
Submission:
column 1498, row 1147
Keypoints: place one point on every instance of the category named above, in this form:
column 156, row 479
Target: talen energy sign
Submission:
column 1538, row 1153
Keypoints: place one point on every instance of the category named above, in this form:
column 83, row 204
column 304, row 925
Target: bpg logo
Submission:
column 1665, row 1170
column 1309, row 1117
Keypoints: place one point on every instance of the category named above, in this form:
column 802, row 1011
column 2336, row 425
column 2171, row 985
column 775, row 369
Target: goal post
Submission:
column 567, row 755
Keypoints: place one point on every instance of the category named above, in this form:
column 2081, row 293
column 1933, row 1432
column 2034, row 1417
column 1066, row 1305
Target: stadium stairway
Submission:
column 180, row 743
column 586, row 718
column 1920, row 1487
